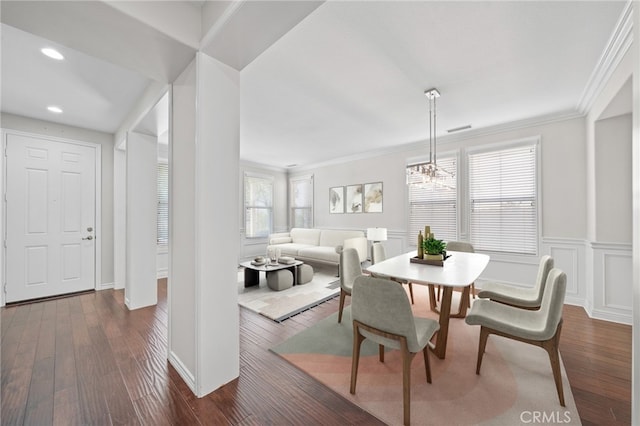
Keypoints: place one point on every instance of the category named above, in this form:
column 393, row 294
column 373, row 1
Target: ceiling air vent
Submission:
column 458, row 129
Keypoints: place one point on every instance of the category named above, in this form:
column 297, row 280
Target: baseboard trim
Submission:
column 183, row 371
column 611, row 316
column 105, row 286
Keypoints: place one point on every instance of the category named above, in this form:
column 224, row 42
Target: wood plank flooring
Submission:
column 86, row 359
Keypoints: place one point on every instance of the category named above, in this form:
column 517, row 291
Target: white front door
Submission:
column 50, row 218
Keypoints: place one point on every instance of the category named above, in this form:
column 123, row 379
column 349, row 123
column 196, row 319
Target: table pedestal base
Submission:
column 439, row 347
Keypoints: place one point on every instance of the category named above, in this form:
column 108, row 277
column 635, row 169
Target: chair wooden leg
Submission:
column 551, row 346
column 439, row 291
column 484, row 335
column 381, row 353
column 342, row 297
column 473, row 290
column 355, row 357
column 411, row 292
column 427, row 366
column 407, row 357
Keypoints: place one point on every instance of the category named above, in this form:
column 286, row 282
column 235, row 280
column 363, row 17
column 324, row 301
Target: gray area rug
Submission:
column 280, row 305
column 515, row 385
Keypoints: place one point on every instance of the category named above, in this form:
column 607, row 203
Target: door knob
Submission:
column 90, row 237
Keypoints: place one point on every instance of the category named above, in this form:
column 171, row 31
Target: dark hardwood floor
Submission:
column 88, row 360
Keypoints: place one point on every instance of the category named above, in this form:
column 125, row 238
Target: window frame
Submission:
column 245, row 207
column 291, row 207
column 533, row 141
column 162, row 245
column 455, row 155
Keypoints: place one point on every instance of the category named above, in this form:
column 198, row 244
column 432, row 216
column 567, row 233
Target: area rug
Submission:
column 515, row 385
column 280, row 305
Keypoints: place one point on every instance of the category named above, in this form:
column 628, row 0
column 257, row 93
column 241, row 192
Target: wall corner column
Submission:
column 204, row 342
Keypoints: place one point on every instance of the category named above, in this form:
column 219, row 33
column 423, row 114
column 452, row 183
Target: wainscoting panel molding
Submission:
column 396, row 243
column 612, row 282
column 569, row 255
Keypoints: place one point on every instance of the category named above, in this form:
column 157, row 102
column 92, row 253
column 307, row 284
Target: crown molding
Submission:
column 445, row 139
column 618, row 45
column 251, row 164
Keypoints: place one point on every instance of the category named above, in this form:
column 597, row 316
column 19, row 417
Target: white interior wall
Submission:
column 204, row 159
column 608, row 262
column 217, row 220
column 563, row 198
column 181, row 291
column 119, row 217
column 141, row 238
column 613, row 179
column 563, row 173
column 152, row 94
column 2, row 209
column 635, row 371
column 30, row 125
column 615, row 83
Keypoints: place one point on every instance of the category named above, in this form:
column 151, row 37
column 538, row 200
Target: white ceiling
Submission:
column 93, row 93
column 348, row 78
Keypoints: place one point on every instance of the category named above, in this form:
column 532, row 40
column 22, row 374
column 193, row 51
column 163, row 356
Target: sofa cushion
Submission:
column 323, row 254
column 280, row 240
column 289, row 249
column 333, row 238
column 305, row 236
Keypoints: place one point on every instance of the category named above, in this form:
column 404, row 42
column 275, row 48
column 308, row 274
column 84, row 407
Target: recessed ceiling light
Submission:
column 55, row 109
column 52, row 53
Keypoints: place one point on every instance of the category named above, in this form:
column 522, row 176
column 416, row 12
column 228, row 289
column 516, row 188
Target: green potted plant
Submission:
column 434, row 249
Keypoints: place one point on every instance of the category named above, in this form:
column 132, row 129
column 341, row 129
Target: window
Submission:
column 301, row 202
column 163, row 204
column 435, row 204
column 503, row 200
column 258, row 205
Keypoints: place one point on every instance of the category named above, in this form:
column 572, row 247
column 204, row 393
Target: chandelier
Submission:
column 429, row 171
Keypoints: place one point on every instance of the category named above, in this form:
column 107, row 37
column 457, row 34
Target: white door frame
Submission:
column 98, row 211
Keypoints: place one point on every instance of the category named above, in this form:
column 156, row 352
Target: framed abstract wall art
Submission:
column 353, row 199
column 373, row 197
column 336, row 199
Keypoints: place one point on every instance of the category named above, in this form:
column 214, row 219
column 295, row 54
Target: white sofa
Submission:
column 318, row 245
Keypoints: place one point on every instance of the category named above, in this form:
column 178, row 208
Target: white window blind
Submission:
column 301, row 202
column 503, row 200
column 258, row 206
column 163, row 204
column 435, row 205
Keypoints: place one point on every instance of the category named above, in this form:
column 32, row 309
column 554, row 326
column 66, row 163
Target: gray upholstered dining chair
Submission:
column 527, row 298
column 350, row 269
column 381, row 313
column 378, row 254
column 540, row 328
